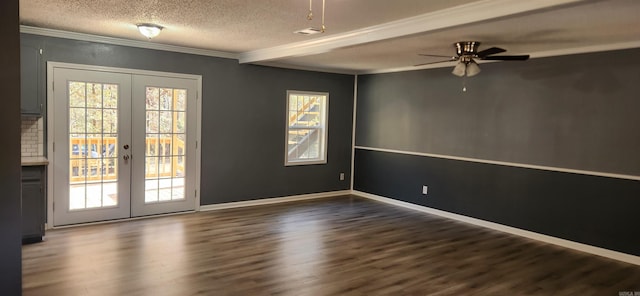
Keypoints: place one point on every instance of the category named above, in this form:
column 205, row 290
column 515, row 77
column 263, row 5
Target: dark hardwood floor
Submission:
column 334, row 246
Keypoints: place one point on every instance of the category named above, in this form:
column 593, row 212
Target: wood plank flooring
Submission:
column 334, row 246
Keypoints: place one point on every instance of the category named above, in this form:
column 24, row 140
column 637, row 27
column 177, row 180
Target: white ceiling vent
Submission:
column 308, row 31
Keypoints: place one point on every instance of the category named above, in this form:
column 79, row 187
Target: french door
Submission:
column 124, row 145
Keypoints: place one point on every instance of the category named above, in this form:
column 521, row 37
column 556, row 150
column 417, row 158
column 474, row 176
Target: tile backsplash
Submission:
column 32, row 143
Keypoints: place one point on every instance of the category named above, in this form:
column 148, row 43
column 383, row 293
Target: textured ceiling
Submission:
column 243, row 26
column 222, row 25
column 571, row 27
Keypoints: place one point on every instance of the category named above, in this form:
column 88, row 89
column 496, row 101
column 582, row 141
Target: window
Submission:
column 306, row 138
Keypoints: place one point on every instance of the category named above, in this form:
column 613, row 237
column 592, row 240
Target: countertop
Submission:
column 34, row 160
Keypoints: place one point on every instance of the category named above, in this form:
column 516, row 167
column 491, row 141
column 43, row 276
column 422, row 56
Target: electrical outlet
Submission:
column 424, row 189
column 341, row 176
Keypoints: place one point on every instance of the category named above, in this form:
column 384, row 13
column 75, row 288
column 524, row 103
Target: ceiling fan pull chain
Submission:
column 310, row 15
column 323, row 27
column 464, row 83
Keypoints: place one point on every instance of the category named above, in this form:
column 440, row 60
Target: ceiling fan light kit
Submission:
column 472, row 68
column 460, row 69
column 466, row 67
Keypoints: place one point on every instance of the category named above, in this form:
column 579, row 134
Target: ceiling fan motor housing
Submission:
column 467, row 48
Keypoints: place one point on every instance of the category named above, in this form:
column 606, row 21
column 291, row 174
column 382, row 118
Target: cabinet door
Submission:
column 31, row 83
column 32, row 211
column 33, row 204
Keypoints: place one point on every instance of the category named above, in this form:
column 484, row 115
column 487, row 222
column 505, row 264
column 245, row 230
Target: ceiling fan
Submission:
column 467, row 51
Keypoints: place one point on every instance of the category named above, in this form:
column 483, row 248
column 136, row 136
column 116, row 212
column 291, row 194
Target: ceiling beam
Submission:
column 437, row 20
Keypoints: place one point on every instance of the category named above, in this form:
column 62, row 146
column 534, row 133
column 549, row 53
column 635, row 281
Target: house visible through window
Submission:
column 306, row 128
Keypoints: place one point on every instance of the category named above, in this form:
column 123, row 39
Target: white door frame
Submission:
column 51, row 127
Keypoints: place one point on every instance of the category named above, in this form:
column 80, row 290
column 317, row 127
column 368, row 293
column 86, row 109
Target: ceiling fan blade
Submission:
column 450, row 60
column 489, row 51
column 508, row 58
column 435, row 55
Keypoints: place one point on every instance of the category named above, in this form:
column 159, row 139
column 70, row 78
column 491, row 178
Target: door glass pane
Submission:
column 180, row 119
column 110, row 120
column 93, row 121
column 165, row 144
column 110, row 97
column 181, row 99
column 153, row 121
column 166, row 99
column 166, row 122
column 77, row 97
column 77, row 118
column 94, row 95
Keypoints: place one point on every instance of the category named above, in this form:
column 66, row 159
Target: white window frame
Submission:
column 323, row 128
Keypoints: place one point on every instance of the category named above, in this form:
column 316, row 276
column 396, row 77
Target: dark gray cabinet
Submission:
column 32, row 76
column 33, row 203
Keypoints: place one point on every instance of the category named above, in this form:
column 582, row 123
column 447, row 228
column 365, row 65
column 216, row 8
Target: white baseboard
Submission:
column 272, row 200
column 508, row 229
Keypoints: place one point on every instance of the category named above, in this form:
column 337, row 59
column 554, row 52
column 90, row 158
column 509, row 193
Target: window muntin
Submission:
column 306, row 135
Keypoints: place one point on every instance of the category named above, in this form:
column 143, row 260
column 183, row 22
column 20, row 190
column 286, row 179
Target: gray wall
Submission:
column 593, row 210
column 10, row 221
column 241, row 159
column 578, row 112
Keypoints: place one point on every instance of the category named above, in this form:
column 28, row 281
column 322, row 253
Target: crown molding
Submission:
column 125, row 42
column 277, row 64
column 437, row 20
column 587, row 49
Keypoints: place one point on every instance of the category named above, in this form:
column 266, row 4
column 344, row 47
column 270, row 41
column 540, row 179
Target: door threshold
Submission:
column 120, row 220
